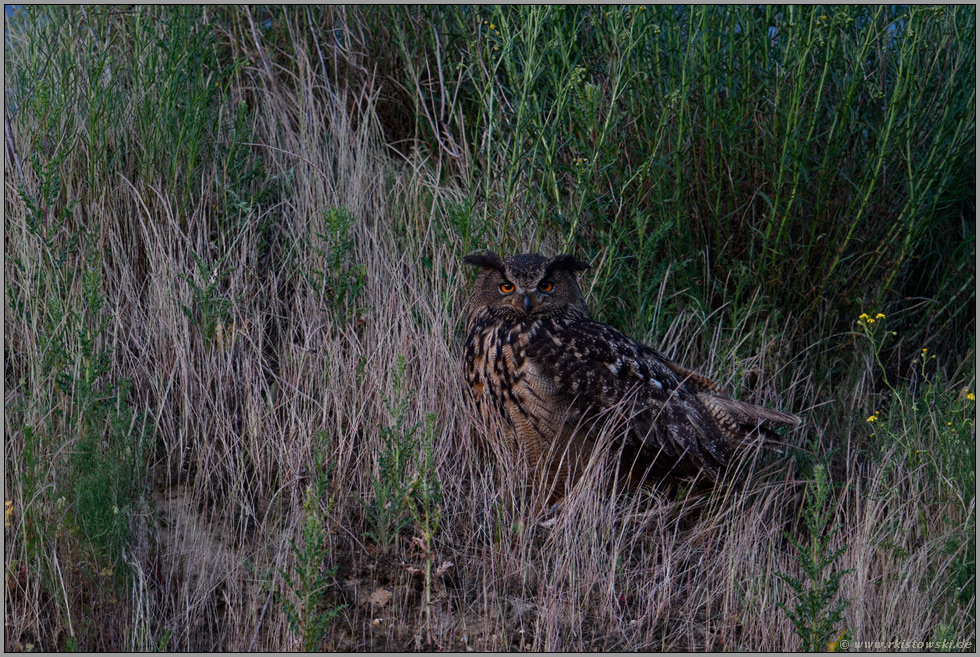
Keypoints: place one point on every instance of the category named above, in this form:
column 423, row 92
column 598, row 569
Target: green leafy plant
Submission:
column 210, row 308
column 390, row 508
column 309, row 615
column 634, row 134
column 818, row 611
column 338, row 282
column 426, row 509
column 304, row 598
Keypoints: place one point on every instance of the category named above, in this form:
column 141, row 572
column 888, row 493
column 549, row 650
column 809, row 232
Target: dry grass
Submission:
column 290, row 379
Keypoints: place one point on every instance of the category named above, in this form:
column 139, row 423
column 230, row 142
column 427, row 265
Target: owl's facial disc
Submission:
column 528, row 285
column 523, row 300
column 529, row 300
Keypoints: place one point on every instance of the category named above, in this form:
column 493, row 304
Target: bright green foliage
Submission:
column 106, row 470
column 426, row 509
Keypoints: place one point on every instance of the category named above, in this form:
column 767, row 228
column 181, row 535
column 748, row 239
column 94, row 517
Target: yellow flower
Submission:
column 873, row 418
column 835, row 644
column 863, row 317
column 879, row 316
column 8, row 510
column 492, row 26
column 971, row 396
column 870, row 321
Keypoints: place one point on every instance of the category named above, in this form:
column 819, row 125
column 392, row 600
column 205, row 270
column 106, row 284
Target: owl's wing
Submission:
column 673, row 416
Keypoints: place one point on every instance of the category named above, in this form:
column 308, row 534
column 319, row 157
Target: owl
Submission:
column 560, row 380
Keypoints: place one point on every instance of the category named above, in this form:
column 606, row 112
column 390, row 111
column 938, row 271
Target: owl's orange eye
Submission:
column 506, row 288
column 546, row 286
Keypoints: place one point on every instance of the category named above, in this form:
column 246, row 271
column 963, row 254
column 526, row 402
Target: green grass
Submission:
column 234, row 307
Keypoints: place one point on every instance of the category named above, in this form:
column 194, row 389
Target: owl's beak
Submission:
column 527, row 303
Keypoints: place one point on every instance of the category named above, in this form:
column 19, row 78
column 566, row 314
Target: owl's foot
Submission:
column 550, row 516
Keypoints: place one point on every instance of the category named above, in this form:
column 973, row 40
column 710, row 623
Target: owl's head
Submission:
column 527, row 286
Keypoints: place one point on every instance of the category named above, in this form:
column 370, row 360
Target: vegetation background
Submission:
column 233, row 308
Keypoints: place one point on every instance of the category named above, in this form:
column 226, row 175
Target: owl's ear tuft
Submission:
column 567, row 263
column 488, row 260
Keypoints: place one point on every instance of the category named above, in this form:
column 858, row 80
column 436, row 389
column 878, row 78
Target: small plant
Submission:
column 106, row 475
column 461, row 221
column 426, row 491
column 390, row 509
column 816, row 615
column 310, row 615
column 338, row 283
column 106, row 479
column 427, row 514
column 209, row 308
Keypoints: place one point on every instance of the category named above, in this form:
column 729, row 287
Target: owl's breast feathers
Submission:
column 505, row 383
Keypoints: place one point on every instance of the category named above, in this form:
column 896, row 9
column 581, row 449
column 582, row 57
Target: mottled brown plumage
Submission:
column 536, row 359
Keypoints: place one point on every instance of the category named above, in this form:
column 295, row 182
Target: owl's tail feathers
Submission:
column 747, row 424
